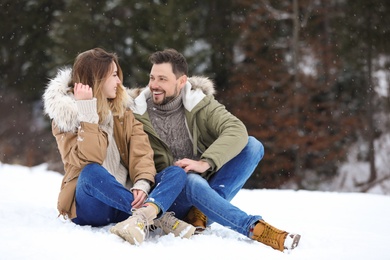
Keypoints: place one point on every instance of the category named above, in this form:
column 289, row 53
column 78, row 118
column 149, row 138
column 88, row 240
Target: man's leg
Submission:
column 228, row 181
column 217, row 209
column 198, row 193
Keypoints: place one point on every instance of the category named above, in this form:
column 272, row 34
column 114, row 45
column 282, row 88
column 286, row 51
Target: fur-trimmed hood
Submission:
column 196, row 88
column 202, row 83
column 196, row 82
column 60, row 104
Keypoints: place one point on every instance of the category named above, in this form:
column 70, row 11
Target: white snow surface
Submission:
column 333, row 225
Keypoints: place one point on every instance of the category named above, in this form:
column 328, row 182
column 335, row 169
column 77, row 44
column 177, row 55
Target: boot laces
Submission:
column 272, row 235
column 169, row 221
column 141, row 221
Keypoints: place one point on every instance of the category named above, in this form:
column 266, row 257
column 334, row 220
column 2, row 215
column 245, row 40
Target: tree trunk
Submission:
column 297, row 86
column 370, row 100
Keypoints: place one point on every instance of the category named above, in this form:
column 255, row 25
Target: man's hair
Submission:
column 176, row 59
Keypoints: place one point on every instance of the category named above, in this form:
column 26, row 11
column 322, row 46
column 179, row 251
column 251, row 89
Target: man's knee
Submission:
column 195, row 181
column 255, row 147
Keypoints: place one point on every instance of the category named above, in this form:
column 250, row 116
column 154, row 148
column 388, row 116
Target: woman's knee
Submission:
column 91, row 170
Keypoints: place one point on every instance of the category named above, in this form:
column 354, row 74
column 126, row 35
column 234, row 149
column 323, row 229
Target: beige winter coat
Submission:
column 132, row 142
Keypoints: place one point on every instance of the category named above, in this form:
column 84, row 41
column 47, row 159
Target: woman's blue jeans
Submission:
column 213, row 197
column 101, row 199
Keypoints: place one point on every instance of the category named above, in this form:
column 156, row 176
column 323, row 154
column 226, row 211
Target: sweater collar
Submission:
column 172, row 105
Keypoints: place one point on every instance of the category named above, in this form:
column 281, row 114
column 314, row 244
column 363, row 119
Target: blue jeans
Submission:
column 101, row 199
column 213, row 197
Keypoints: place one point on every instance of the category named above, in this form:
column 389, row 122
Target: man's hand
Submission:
column 82, row 92
column 139, row 198
column 192, row 165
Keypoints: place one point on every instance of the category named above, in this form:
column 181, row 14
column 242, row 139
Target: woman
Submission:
column 108, row 161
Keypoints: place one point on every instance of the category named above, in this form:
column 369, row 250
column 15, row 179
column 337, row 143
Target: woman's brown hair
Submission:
column 92, row 68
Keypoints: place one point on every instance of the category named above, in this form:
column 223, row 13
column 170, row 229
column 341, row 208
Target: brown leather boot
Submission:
column 196, row 218
column 273, row 237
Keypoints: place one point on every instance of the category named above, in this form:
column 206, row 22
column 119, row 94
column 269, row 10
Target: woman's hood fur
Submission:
column 59, row 103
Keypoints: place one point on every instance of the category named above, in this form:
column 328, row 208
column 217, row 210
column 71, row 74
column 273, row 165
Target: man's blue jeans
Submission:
column 213, row 197
column 101, row 199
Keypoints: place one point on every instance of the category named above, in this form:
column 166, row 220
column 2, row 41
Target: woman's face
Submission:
column 111, row 83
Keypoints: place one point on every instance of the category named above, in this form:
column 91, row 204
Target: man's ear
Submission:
column 183, row 81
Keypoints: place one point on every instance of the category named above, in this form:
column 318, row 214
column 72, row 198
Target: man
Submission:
column 187, row 127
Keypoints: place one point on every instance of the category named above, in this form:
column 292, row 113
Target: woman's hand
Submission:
column 139, row 198
column 82, row 92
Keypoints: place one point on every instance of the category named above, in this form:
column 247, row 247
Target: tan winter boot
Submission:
column 276, row 238
column 170, row 224
column 196, row 218
column 135, row 228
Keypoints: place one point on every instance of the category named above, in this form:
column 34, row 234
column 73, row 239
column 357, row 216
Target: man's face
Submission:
column 163, row 83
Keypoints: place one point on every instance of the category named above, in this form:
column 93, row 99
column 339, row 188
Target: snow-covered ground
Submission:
column 333, row 226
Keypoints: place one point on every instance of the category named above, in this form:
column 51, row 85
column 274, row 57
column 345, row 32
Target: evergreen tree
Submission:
column 25, row 48
column 132, row 29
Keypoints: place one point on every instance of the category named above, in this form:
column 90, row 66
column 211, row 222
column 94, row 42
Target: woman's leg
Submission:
column 100, row 198
column 169, row 184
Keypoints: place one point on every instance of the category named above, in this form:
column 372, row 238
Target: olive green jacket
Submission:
column 216, row 134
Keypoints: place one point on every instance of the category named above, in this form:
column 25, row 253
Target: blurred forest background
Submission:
column 309, row 78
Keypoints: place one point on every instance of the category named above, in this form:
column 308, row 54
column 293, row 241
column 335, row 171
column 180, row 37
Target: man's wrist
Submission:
column 209, row 163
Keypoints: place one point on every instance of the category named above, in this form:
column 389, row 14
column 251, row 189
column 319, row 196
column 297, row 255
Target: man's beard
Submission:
column 168, row 99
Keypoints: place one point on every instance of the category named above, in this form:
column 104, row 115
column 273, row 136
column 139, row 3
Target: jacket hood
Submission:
column 196, row 88
column 203, row 83
column 60, row 104
column 196, row 82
